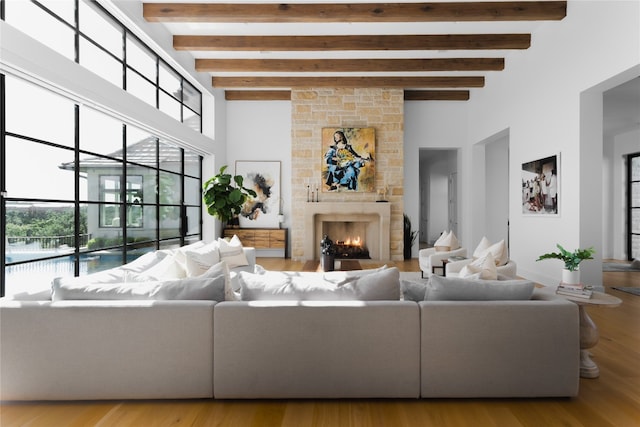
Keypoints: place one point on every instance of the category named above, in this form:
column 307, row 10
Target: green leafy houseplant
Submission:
column 571, row 259
column 224, row 195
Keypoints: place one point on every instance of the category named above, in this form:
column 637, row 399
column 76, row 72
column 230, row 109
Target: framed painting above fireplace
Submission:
column 348, row 159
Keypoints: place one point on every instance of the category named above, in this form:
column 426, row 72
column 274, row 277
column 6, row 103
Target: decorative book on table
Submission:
column 579, row 291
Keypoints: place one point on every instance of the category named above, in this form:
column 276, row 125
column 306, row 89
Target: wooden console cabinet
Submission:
column 261, row 238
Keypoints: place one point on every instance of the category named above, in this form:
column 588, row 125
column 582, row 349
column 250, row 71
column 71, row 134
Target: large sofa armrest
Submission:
column 79, row 350
column 500, row 348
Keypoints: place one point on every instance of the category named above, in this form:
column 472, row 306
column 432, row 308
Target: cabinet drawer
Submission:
column 277, row 239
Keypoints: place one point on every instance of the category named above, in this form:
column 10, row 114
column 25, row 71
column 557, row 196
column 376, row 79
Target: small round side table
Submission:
column 588, row 330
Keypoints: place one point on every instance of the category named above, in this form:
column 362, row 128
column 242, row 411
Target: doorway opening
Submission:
column 438, row 173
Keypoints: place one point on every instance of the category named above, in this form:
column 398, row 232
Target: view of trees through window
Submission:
column 83, row 191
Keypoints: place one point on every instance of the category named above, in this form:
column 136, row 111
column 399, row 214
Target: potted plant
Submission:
column 409, row 237
column 224, row 195
column 572, row 260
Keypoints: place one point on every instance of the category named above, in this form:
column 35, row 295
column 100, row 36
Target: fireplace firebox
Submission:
column 344, row 222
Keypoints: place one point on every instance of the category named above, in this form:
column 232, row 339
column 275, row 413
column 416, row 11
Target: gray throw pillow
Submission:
column 272, row 285
column 463, row 289
column 413, row 290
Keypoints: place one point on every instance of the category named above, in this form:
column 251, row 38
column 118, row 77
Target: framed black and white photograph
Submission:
column 541, row 186
column 263, row 177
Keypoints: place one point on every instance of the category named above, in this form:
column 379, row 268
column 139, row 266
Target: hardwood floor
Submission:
column 611, row 400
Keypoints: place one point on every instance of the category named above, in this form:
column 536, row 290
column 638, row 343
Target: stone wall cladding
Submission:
column 314, row 109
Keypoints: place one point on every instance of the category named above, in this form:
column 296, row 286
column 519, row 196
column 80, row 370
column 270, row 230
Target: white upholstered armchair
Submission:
column 501, row 265
column 430, row 259
column 445, row 247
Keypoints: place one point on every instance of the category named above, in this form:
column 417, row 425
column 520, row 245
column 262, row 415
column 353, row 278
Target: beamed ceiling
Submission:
column 434, row 51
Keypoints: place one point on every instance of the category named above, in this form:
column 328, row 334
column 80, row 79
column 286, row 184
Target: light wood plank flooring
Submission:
column 611, row 400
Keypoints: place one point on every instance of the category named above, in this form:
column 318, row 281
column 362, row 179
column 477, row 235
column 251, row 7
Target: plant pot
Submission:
column 570, row 277
column 407, row 251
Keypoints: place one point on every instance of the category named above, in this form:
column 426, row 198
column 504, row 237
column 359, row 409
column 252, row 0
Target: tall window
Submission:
column 633, row 206
column 110, row 50
column 83, row 191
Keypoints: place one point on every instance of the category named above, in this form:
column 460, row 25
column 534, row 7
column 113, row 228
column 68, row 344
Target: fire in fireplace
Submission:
column 351, row 248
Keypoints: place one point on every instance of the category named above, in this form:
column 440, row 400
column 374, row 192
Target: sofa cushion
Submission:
column 232, row 252
column 199, row 260
column 462, row 289
column 192, row 288
column 273, row 285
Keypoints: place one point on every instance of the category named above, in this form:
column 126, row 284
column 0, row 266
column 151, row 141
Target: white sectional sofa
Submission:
column 344, row 335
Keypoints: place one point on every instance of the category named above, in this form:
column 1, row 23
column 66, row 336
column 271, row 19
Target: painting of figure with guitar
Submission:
column 348, row 159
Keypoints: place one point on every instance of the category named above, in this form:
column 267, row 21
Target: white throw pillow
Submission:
column 180, row 253
column 232, row 252
column 441, row 243
column 199, row 260
column 168, row 268
column 463, row 289
column 485, row 266
column 340, row 278
column 144, row 262
column 192, row 288
column 498, row 250
column 274, row 285
column 447, row 242
column 112, row 275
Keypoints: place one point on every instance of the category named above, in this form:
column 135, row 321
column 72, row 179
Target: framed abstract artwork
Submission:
column 264, row 178
column 348, row 159
column 541, row 186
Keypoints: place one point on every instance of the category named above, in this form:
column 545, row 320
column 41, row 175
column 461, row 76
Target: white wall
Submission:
column 261, row 130
column 538, row 97
column 433, row 125
column 496, row 190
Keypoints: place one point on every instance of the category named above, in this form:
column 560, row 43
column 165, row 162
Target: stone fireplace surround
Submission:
column 312, row 109
column 376, row 215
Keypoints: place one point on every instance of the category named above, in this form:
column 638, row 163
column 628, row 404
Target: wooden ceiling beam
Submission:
column 349, row 65
column 257, row 95
column 285, row 95
column 359, row 42
column 355, row 12
column 391, row 82
column 436, row 95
